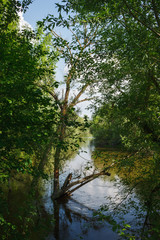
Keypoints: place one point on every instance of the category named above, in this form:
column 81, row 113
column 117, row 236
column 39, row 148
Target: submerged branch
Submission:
column 65, row 190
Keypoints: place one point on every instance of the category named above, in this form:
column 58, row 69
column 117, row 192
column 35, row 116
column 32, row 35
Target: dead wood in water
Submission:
column 69, row 187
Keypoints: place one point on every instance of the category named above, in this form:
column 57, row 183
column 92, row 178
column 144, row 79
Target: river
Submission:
column 74, row 216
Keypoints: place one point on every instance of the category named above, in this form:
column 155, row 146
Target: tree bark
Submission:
column 61, row 133
column 67, row 188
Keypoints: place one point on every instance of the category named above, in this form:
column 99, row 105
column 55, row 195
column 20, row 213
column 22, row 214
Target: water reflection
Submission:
column 74, row 216
column 75, row 221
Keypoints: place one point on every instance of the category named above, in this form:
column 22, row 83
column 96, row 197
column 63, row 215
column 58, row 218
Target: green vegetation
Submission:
column 27, row 114
column 128, row 110
column 107, row 127
column 113, row 55
column 35, row 125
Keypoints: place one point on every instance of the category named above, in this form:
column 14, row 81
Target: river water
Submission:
column 74, row 216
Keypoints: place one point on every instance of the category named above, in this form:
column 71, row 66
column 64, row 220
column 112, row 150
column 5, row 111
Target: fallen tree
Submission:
column 69, row 187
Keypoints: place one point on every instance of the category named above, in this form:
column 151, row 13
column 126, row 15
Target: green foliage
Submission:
column 115, row 49
column 128, row 62
column 28, row 116
column 128, row 55
column 106, row 127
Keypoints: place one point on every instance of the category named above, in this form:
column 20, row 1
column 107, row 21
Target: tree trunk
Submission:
column 56, row 170
column 57, row 156
column 67, row 188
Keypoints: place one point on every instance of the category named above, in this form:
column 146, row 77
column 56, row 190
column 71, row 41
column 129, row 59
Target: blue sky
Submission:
column 38, row 10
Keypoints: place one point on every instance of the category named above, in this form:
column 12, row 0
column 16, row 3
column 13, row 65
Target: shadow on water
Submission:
column 71, row 218
column 74, row 216
column 74, row 220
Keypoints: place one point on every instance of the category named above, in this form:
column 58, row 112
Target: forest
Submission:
column 112, row 57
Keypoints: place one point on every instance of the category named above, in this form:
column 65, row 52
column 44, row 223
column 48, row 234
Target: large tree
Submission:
column 130, row 41
column 79, row 54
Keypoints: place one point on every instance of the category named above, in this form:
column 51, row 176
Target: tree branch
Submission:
column 53, row 94
column 81, row 182
column 140, row 21
column 83, row 100
column 91, row 37
column 67, row 45
column 75, row 37
column 87, row 180
column 74, row 102
column 155, row 12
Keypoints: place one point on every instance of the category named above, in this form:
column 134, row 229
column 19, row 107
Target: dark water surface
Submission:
column 74, row 216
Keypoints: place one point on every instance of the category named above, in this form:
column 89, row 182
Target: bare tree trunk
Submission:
column 67, row 188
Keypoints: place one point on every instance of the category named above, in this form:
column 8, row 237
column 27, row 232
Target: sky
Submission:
column 38, row 10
